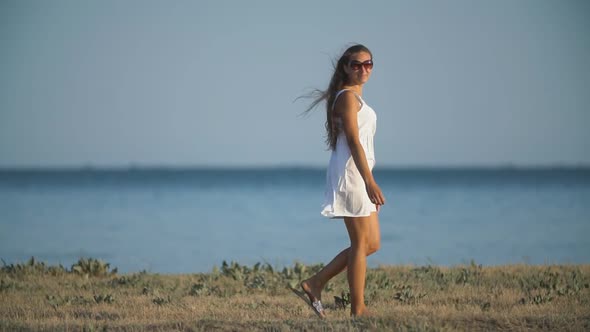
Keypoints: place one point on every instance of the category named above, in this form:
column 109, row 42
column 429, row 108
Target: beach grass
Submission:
column 90, row 296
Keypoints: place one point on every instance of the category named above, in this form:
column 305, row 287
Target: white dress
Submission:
column 346, row 194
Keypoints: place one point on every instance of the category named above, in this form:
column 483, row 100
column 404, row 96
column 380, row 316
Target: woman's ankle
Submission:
column 359, row 311
column 313, row 282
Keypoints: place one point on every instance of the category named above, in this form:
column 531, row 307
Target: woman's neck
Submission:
column 358, row 89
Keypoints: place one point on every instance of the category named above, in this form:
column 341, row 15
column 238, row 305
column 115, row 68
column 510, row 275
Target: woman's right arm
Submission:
column 347, row 107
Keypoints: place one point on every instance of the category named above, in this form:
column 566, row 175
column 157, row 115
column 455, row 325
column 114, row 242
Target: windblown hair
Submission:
column 339, row 79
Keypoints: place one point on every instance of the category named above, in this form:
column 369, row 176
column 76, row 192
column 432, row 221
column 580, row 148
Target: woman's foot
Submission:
column 362, row 313
column 314, row 292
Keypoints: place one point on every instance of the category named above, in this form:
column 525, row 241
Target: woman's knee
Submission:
column 373, row 246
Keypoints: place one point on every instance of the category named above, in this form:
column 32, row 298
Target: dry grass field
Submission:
column 90, row 296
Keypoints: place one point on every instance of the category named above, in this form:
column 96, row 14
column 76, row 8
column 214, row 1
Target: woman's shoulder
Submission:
column 347, row 92
column 348, row 98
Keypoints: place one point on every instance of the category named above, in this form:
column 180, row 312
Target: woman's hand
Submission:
column 375, row 194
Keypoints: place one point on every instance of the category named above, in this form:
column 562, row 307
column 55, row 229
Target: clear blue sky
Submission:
column 206, row 83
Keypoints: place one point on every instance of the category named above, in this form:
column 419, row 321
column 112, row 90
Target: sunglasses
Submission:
column 356, row 65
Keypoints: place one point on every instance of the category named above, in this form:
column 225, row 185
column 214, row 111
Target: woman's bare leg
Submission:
column 358, row 230
column 314, row 285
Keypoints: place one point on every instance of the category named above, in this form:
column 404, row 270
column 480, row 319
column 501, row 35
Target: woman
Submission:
column 351, row 191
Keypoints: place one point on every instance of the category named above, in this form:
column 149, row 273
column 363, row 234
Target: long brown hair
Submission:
column 339, row 79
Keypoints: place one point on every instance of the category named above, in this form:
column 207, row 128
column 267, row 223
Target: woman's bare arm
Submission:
column 347, row 107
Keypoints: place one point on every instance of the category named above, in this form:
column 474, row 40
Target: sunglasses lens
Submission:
column 356, row 65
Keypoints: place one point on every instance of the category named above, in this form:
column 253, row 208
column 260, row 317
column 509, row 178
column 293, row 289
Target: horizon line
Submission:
column 162, row 167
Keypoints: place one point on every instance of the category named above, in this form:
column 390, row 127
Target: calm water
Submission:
column 173, row 221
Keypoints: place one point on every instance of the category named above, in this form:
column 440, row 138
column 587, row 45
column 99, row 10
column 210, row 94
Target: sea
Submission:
column 174, row 220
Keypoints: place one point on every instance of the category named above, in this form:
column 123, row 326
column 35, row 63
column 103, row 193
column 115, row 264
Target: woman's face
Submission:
column 359, row 68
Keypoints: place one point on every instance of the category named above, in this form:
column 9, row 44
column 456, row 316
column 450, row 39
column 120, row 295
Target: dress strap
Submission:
column 340, row 92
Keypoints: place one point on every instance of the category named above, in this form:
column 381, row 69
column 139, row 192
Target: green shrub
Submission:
column 32, row 267
column 91, row 267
